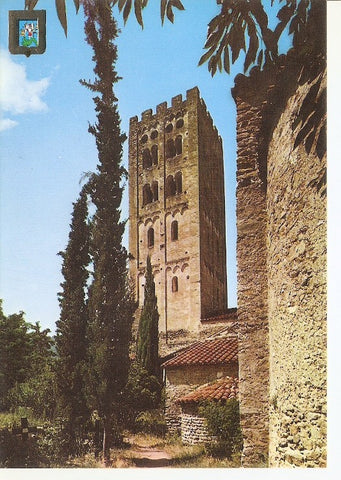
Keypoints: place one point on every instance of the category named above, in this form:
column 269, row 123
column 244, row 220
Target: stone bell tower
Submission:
column 177, row 211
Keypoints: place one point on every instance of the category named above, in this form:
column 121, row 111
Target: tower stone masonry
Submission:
column 177, row 212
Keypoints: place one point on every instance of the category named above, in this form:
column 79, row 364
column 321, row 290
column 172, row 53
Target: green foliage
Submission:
column 152, row 421
column 243, row 26
column 55, row 442
column 125, row 6
column 110, row 304
column 148, row 334
column 37, row 393
column 25, row 353
column 223, row 422
column 143, row 391
column 46, row 448
column 71, row 338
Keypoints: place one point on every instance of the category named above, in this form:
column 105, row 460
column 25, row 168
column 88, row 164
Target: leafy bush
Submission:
column 38, row 394
column 151, row 422
column 223, row 422
column 143, row 391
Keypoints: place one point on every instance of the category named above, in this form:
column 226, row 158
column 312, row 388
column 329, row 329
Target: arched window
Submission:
column 155, row 191
column 174, row 230
column 178, row 145
column 170, row 186
column 175, row 284
column 147, row 194
column 146, row 158
column 179, row 123
column 178, row 182
column 170, row 148
column 154, row 155
column 150, row 236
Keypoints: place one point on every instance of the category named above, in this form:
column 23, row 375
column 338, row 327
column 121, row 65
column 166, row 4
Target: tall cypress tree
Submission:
column 148, row 334
column 110, row 304
column 71, row 332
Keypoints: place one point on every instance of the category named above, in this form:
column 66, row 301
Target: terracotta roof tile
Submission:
column 221, row 390
column 210, row 352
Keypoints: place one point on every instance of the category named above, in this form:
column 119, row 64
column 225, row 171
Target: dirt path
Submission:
column 149, row 457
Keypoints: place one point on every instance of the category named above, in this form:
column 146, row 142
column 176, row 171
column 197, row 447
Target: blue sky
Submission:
column 45, row 146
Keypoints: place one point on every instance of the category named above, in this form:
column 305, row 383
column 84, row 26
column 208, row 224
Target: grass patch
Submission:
column 10, row 419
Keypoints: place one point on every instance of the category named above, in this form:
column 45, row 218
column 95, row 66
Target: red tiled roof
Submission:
column 221, row 390
column 209, row 352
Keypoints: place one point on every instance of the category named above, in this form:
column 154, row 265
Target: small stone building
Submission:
column 201, row 363
column 193, row 425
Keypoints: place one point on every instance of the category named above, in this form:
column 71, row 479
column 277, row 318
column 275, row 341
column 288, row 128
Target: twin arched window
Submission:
column 174, row 148
column 150, row 157
column 174, row 234
column 174, row 184
column 150, row 193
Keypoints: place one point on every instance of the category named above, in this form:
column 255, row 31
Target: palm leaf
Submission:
column 121, row 4
column 213, row 38
column 214, row 23
column 169, row 11
column 30, row 4
column 163, row 6
column 227, row 59
column 61, row 12
column 126, row 10
column 138, row 11
column 253, row 46
column 76, row 2
column 206, row 55
column 177, row 4
column 212, row 65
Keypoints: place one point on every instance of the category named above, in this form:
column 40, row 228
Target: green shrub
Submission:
column 143, row 391
column 38, row 394
column 152, row 421
column 223, row 422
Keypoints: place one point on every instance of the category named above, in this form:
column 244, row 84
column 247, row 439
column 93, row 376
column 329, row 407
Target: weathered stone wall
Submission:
column 252, row 278
column 212, row 217
column 297, row 294
column 184, row 380
column 281, row 255
column 193, row 427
